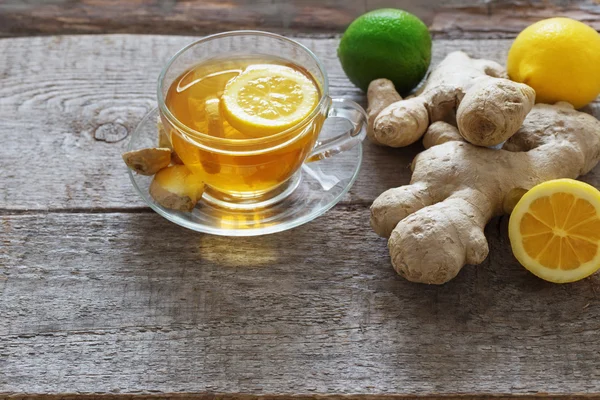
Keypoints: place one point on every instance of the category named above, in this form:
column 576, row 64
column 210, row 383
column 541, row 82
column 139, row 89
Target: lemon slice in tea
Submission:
column 555, row 230
column 267, row 98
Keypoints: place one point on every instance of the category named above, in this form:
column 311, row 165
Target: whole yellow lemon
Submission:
column 560, row 59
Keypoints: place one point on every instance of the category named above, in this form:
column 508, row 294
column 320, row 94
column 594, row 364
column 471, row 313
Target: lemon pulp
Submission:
column 267, row 99
column 555, row 230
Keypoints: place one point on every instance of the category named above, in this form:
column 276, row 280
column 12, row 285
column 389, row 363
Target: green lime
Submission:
column 386, row 43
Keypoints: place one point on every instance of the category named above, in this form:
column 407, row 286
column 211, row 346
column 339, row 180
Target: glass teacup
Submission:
column 255, row 172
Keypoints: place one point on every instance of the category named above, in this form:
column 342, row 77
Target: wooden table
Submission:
column 101, row 296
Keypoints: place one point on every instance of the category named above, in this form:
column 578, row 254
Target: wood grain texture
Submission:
column 306, row 396
column 449, row 18
column 99, row 296
column 129, row 303
column 505, row 19
column 68, row 103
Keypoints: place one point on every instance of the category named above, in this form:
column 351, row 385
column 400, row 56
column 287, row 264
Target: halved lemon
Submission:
column 555, row 230
column 267, row 98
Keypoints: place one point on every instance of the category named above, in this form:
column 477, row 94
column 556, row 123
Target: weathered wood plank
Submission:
column 449, row 18
column 505, row 19
column 304, row 396
column 52, row 107
column 59, row 93
column 288, row 396
column 129, row 303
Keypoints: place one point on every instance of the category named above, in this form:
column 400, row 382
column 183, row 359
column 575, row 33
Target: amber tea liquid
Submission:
column 234, row 166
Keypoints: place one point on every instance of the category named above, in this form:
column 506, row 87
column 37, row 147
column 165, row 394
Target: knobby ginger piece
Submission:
column 176, row 188
column 489, row 107
column 148, row 161
column 381, row 93
column 436, row 223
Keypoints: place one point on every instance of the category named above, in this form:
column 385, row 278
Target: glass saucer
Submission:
column 315, row 188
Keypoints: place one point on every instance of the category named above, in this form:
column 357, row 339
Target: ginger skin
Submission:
column 176, row 188
column 148, row 161
column 489, row 107
column 381, row 93
column 436, row 223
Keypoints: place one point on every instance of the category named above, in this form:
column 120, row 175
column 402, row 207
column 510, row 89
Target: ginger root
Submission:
column 148, row 161
column 489, row 107
column 381, row 93
column 175, row 187
column 436, row 223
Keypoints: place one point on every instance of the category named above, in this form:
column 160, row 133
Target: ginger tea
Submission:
column 253, row 121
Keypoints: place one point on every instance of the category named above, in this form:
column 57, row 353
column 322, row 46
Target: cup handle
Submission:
column 356, row 115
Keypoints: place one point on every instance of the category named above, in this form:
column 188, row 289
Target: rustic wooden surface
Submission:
column 98, row 294
column 447, row 18
column 101, row 297
column 60, row 107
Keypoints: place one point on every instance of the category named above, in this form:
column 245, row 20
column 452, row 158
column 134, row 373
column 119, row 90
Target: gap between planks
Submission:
column 233, row 396
column 139, row 210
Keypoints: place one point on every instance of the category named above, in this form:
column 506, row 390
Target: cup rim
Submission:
column 181, row 126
